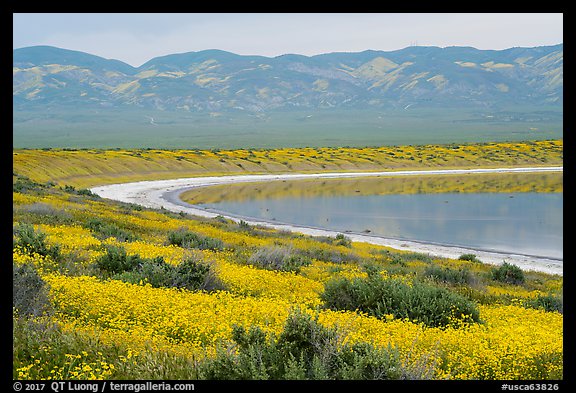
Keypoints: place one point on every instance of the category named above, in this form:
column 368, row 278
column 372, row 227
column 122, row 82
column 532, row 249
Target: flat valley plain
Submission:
column 113, row 128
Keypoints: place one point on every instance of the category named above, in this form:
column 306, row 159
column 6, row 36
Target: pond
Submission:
column 513, row 213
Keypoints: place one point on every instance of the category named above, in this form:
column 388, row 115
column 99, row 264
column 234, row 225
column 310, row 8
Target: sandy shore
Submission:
column 164, row 193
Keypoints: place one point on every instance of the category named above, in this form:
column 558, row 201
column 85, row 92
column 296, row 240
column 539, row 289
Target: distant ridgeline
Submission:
column 214, row 89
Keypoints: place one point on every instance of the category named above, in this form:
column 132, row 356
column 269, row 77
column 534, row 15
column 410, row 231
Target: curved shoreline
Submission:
column 164, row 194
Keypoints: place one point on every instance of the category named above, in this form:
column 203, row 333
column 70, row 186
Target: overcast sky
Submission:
column 137, row 38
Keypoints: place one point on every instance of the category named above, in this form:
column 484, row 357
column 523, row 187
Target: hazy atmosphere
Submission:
column 137, row 38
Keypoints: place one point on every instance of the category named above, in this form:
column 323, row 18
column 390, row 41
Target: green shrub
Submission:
column 81, row 191
column 29, row 291
column 189, row 274
column 244, row 225
column 400, row 258
column 303, row 350
column 187, row 239
column 371, row 268
column 342, row 240
column 338, row 240
column 419, row 302
column 87, row 192
column 330, row 254
column 116, row 260
column 546, row 302
column 449, row 275
column 24, row 185
column 155, row 272
column 34, row 242
column 414, row 256
column 279, row 258
column 469, row 257
column 221, row 219
column 69, row 188
column 508, row 273
column 104, row 230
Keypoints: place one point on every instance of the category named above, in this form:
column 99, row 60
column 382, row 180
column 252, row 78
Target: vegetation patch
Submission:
column 34, row 242
column 546, row 302
column 280, row 258
column 469, row 257
column 508, row 273
column 29, row 292
column 24, row 184
column 461, row 276
column 189, row 274
column 303, row 350
column 105, row 230
column 416, row 301
column 188, row 239
column 45, row 213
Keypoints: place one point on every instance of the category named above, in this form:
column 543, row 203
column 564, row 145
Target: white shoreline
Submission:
column 163, row 194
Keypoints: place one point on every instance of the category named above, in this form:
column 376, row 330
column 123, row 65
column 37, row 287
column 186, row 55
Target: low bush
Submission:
column 401, row 258
column 45, row 213
column 188, row 239
column 469, row 257
column 81, row 191
column 338, row 240
column 29, row 291
column 418, row 302
column 24, row 185
column 116, row 260
column 448, row 275
column 279, row 258
column 415, row 256
column 34, row 242
column 87, row 192
column 244, row 225
column 329, row 254
column 155, row 272
column 189, row 274
column 304, row 350
column 546, row 302
column 508, row 273
column 104, row 230
column 342, row 240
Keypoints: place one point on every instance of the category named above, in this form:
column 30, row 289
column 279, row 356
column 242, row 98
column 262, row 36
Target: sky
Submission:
column 137, row 38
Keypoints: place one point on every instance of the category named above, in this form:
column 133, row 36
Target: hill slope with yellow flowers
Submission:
column 109, row 290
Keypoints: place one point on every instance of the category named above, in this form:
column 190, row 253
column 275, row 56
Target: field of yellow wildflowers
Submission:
column 99, row 291
column 85, row 168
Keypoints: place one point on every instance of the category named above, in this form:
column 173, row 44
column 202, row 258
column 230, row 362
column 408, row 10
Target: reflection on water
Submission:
column 379, row 185
column 519, row 222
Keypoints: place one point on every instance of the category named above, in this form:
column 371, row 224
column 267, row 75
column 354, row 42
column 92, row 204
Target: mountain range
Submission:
column 219, row 81
column 215, row 99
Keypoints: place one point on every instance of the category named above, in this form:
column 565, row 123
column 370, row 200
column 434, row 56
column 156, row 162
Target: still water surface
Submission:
column 528, row 223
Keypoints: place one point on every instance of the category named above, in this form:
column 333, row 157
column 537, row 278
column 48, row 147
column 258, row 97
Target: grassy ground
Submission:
column 129, row 129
